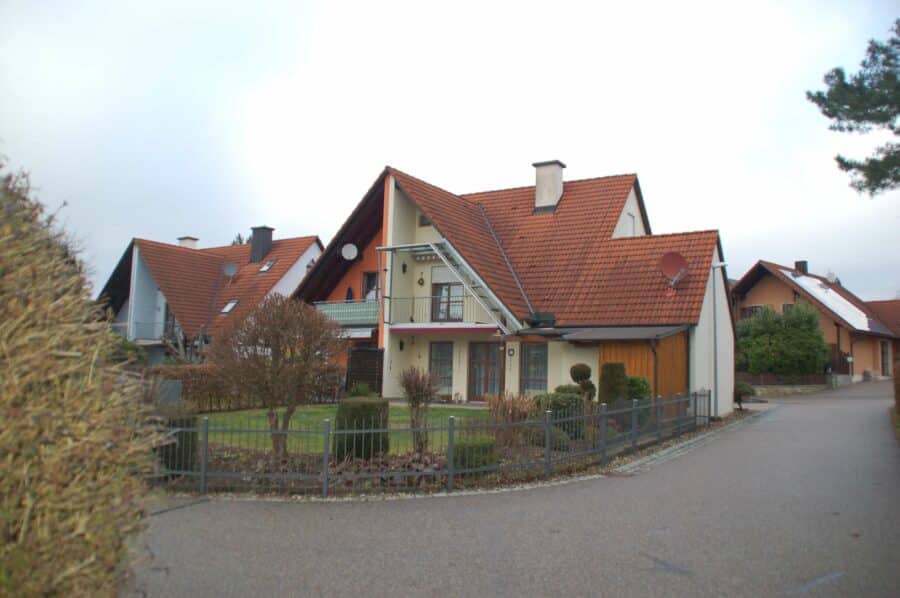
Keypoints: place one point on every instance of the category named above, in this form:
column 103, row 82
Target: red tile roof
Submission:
column 888, row 313
column 196, row 288
column 566, row 261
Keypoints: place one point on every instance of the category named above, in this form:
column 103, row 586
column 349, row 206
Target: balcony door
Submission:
column 485, row 370
column 446, row 302
column 440, row 364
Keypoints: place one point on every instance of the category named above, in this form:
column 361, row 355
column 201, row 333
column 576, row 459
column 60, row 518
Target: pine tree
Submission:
column 865, row 101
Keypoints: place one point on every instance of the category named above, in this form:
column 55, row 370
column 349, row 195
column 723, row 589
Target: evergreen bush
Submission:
column 613, row 383
column 360, row 414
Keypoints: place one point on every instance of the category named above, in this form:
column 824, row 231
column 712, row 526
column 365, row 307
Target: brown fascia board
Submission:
column 313, row 282
column 640, row 198
column 112, row 294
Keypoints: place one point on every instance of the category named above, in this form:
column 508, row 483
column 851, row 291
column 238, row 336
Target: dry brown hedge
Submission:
column 74, row 441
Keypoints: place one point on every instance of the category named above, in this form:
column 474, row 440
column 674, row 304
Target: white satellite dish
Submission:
column 349, row 252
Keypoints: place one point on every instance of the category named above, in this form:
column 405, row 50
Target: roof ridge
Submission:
column 509, row 265
column 391, row 169
column 303, row 237
column 680, row 234
column 595, row 178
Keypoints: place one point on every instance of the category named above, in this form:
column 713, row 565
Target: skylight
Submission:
column 267, row 266
column 229, row 306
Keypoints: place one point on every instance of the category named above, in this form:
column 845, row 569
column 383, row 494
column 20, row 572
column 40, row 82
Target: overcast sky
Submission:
column 161, row 119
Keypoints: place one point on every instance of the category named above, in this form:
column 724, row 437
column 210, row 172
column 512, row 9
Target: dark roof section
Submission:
column 888, row 312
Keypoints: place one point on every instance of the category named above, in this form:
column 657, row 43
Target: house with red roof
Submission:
column 888, row 312
column 860, row 340
column 503, row 291
column 166, row 296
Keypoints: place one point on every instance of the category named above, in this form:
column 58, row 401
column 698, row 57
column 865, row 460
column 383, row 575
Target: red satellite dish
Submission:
column 673, row 266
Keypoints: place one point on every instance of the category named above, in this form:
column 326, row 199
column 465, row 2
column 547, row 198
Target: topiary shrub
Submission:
column 580, row 372
column 359, row 389
column 639, row 388
column 74, row 437
column 474, row 452
column 613, row 383
column 568, row 389
column 360, row 414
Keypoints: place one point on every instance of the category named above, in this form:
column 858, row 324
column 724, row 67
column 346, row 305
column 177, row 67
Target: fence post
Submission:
column 680, row 419
column 204, row 454
column 708, row 406
column 548, row 456
column 634, row 424
column 659, row 418
column 451, row 466
column 325, row 458
column 602, row 432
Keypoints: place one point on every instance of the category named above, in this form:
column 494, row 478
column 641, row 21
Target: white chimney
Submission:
column 548, row 186
column 189, row 242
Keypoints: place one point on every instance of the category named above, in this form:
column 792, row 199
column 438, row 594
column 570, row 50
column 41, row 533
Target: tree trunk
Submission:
column 278, row 439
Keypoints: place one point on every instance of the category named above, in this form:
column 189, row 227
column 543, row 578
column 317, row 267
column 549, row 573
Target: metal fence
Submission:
column 233, row 454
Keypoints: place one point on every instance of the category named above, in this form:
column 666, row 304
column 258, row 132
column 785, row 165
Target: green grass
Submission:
column 239, row 428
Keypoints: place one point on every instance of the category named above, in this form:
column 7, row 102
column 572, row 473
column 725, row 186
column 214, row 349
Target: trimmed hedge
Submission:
column 580, row 372
column 563, row 405
column 613, row 383
column 361, row 414
column 471, row 453
column 639, row 388
column 202, row 387
column 568, row 389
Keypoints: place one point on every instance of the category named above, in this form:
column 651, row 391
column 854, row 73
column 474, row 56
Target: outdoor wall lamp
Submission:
column 421, row 281
column 511, row 352
column 403, row 267
column 401, row 345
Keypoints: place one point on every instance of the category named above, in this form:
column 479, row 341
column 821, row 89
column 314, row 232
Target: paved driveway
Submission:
column 804, row 500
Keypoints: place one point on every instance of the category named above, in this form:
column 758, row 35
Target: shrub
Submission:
column 202, row 387
column 510, row 408
column 563, row 405
column 613, row 383
column 792, row 343
column 568, row 389
column 580, row 372
column 361, row 414
column 420, row 390
column 179, row 453
column 360, row 389
column 126, row 351
column 474, row 452
column 742, row 390
column 74, row 440
column 639, row 388
column 559, row 440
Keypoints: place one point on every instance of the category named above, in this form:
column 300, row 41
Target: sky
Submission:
column 162, row 119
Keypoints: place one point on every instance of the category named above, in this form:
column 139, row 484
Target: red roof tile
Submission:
column 196, row 289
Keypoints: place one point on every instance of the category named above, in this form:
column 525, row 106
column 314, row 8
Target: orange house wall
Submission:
column 353, row 278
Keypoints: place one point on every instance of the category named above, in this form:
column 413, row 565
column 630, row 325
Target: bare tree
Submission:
column 284, row 353
column 420, row 390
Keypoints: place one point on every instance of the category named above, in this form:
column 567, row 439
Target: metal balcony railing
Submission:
column 141, row 331
column 442, row 309
column 350, row 313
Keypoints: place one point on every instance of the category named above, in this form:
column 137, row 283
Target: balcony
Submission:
column 460, row 309
column 350, row 313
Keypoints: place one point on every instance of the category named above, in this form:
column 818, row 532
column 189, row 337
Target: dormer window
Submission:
column 229, row 306
column 267, row 266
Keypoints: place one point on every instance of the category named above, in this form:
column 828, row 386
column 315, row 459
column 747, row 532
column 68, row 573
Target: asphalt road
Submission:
column 804, row 500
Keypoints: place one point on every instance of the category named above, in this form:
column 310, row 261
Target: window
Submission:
column 446, row 302
column 369, row 286
column 632, row 228
column 749, row 312
column 424, row 220
column 229, row 306
column 533, row 368
column 267, row 266
column 787, row 307
column 441, row 367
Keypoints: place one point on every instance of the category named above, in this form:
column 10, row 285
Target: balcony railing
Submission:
column 350, row 313
column 442, row 309
column 141, row 331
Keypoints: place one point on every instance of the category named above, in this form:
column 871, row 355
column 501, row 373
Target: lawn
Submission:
column 249, row 429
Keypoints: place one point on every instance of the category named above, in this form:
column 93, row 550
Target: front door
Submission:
column 485, row 370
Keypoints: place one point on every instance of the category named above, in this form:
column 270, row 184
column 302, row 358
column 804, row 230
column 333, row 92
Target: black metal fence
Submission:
column 313, row 457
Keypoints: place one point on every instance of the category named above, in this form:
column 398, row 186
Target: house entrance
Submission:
column 486, row 365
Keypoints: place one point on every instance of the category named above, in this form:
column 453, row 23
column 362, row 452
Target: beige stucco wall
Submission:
column 624, row 224
column 702, row 345
column 867, row 356
column 561, row 356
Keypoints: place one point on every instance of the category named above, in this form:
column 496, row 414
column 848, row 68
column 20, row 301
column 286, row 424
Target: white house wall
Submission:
column 701, row 345
column 292, row 278
column 630, row 213
column 561, row 356
column 147, row 307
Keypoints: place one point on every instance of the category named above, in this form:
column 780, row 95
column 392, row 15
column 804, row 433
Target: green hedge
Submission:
column 639, row 388
column 471, row 453
column 563, row 405
column 361, row 414
column 613, row 383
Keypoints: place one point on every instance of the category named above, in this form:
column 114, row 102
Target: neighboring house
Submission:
column 503, row 291
column 170, row 297
column 888, row 313
column 860, row 342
